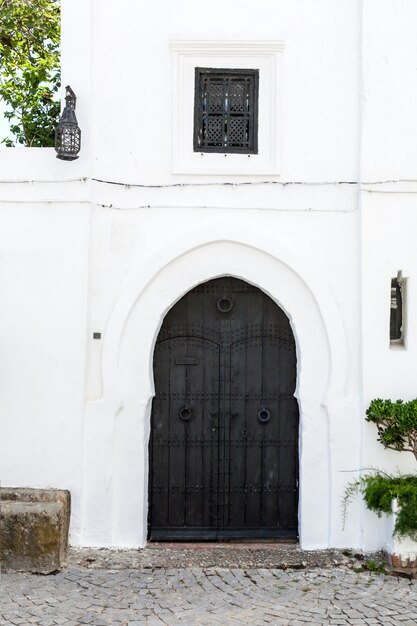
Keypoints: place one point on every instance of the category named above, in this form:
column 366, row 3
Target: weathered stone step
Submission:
column 34, row 529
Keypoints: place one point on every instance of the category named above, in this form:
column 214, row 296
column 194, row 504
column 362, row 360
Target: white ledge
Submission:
column 17, row 164
column 229, row 46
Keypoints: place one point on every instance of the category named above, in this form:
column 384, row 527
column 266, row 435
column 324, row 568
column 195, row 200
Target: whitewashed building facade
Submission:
column 320, row 217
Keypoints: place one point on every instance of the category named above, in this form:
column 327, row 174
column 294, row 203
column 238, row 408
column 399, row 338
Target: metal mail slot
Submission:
column 186, row 360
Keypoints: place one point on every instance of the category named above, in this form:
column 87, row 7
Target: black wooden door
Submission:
column 224, row 433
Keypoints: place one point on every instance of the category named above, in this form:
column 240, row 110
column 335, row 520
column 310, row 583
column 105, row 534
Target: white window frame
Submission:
column 263, row 55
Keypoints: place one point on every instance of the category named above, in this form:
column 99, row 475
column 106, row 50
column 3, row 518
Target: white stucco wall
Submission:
column 81, row 255
column 44, row 253
column 319, row 88
column 388, row 219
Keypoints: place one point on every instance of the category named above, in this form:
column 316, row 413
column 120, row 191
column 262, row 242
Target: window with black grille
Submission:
column 398, row 295
column 226, row 110
column 396, row 310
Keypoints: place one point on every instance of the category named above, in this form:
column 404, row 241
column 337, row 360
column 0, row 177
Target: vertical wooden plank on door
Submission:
column 288, row 460
column 254, row 402
column 270, row 401
column 178, row 436
column 201, row 424
column 237, row 436
column 159, row 442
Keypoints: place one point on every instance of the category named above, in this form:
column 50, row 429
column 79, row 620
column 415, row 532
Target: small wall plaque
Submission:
column 186, row 360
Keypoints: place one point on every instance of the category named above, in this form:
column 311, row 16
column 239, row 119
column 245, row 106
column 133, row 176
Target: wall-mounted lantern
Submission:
column 68, row 133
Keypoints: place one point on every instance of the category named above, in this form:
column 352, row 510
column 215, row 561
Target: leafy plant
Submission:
column 396, row 423
column 30, row 69
column 375, row 567
column 379, row 489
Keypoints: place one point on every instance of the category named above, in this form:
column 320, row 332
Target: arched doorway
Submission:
column 224, row 433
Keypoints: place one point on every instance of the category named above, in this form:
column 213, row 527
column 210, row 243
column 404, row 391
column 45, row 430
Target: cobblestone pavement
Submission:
column 205, row 595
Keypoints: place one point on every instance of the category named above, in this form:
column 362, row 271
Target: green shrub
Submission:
column 379, row 489
column 396, row 423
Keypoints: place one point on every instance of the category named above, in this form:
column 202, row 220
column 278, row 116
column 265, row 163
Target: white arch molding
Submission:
column 115, row 487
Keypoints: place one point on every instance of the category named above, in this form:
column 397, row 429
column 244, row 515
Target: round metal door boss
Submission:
column 264, row 415
column 224, row 304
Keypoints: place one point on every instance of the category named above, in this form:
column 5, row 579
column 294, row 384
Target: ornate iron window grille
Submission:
column 226, row 110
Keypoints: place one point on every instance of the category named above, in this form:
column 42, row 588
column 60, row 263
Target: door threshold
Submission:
column 223, row 544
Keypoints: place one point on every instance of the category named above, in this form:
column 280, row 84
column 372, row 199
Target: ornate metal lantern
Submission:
column 68, row 133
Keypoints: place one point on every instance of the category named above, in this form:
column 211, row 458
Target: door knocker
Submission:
column 185, row 413
column 264, row 415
